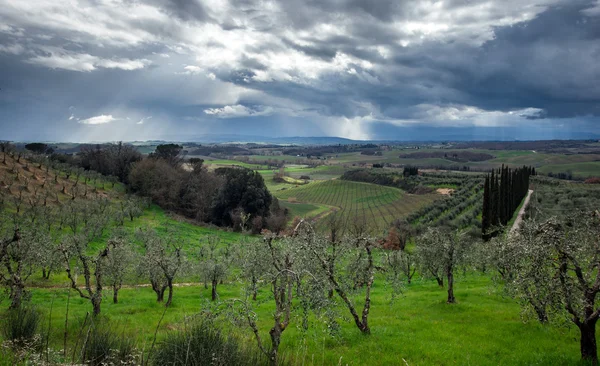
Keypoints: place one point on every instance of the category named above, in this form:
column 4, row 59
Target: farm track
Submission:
column 519, row 218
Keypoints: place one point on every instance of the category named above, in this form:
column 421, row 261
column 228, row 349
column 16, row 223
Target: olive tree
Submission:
column 282, row 266
column 21, row 243
column 352, row 271
column 558, row 261
column 86, row 226
column 505, row 255
column 215, row 260
column 400, row 264
column 162, row 261
column 439, row 253
column 120, row 262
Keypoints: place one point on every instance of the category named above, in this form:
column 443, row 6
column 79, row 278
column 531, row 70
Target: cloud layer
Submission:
column 352, row 68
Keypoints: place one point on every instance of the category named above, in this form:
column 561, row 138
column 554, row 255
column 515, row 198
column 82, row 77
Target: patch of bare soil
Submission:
column 445, row 191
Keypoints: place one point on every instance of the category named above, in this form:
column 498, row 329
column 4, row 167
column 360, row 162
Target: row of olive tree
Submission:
column 553, row 268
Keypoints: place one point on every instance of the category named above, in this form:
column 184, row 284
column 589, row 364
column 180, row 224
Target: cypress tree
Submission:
column 485, row 212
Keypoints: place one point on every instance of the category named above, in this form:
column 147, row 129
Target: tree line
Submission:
column 503, row 191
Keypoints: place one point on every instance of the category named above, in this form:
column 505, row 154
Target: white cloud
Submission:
column 61, row 59
column 594, row 10
column 238, row 110
column 141, row 121
column 192, row 70
column 123, row 64
column 98, row 120
column 463, row 116
column 15, row 49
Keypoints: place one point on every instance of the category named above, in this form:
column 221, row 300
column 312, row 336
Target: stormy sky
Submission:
column 96, row 70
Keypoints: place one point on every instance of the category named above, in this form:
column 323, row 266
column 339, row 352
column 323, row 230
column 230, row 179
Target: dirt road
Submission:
column 519, row 219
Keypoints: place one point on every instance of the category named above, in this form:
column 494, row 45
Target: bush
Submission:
column 203, row 344
column 21, row 324
column 105, row 346
column 593, row 180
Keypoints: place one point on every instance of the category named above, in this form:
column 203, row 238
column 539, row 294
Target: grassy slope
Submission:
column 484, row 328
column 303, row 210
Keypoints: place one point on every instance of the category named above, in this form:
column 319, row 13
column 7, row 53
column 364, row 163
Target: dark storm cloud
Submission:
column 184, row 9
column 350, row 65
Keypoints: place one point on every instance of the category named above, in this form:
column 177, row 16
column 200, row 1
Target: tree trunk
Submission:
column 170, row 298
column 440, row 281
column 275, row 334
column 214, row 290
column 160, row 295
column 541, row 314
column 589, row 350
column 159, row 290
column 254, row 288
column 16, row 296
column 450, row 274
column 96, row 300
column 115, row 294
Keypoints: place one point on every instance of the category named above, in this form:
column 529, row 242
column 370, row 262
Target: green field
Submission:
column 377, row 205
column 586, row 169
column 304, row 210
column 419, row 328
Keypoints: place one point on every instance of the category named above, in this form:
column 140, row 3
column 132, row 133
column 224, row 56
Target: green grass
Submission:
column 379, row 206
column 214, row 164
column 483, row 328
column 587, row 169
column 304, row 210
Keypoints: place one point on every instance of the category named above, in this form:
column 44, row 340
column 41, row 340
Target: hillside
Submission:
column 23, row 181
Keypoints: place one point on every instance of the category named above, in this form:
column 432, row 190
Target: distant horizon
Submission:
column 248, row 139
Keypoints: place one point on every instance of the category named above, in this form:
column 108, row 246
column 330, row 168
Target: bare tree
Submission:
column 7, row 148
column 558, row 261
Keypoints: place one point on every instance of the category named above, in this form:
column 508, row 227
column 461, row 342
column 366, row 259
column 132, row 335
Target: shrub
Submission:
column 203, row 344
column 21, row 324
column 593, row 180
column 105, row 346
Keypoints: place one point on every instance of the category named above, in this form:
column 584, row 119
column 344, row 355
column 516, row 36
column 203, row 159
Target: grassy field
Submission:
column 419, row 328
column 304, row 210
column 586, row 169
column 378, row 205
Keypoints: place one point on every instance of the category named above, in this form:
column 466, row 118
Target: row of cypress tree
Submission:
column 504, row 189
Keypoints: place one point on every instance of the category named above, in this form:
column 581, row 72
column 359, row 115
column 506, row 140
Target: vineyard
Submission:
column 377, row 205
column 460, row 210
